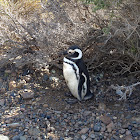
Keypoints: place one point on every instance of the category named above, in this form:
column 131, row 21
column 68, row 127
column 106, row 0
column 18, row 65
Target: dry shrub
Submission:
column 41, row 33
column 37, row 30
column 117, row 47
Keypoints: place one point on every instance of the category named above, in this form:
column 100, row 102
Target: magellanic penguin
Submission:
column 76, row 74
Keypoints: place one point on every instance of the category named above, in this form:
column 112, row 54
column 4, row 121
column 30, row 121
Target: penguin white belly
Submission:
column 71, row 79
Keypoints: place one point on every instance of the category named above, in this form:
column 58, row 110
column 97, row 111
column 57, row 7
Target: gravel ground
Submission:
column 33, row 107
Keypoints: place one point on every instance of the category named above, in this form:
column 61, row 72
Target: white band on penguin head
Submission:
column 80, row 54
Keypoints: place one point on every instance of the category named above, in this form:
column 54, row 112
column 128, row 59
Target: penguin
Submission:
column 76, row 74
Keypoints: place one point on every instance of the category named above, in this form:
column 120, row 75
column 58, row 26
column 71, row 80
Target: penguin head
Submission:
column 73, row 52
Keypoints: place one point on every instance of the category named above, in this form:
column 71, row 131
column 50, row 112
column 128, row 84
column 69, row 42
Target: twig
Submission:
column 124, row 90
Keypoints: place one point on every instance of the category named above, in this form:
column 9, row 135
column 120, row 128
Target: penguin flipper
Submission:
column 80, row 86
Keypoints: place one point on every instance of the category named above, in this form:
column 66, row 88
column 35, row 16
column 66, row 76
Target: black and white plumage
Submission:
column 76, row 74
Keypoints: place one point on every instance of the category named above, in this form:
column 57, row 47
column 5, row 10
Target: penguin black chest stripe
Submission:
column 75, row 71
column 74, row 66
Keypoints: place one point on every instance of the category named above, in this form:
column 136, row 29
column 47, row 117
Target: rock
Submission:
column 112, row 138
column 137, row 119
column 27, row 94
column 102, row 106
column 8, row 121
column 130, row 127
column 22, row 108
column 22, row 138
column 45, row 77
column 21, row 84
column 61, row 138
column 110, row 127
column 2, row 102
column 122, row 131
column 55, row 79
column 138, row 131
column 48, row 117
column 2, row 137
column 93, row 114
column 114, row 118
column 84, row 130
column 116, row 137
column 136, row 125
column 27, row 78
column 50, row 138
column 89, row 139
column 105, row 119
column 92, row 135
column 55, row 139
column 2, row 90
column 16, row 138
column 45, row 105
column 121, row 136
column 12, row 85
column 49, row 129
column 103, row 128
column 135, row 134
column 128, row 132
column 13, row 74
column 69, row 138
column 86, row 113
column 12, row 125
column 34, row 131
column 83, row 137
column 129, row 137
column 125, row 126
column 7, row 71
column 97, row 127
column 1, row 81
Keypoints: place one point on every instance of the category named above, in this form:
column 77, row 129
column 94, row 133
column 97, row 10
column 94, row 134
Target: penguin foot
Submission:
column 68, row 94
column 71, row 101
column 89, row 96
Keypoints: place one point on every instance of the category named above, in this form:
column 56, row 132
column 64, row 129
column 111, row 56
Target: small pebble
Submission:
column 110, row 127
column 129, row 137
column 122, row 131
column 22, row 138
column 27, row 94
column 102, row 106
column 12, row 85
column 97, row 127
column 92, row 135
column 83, row 137
column 84, row 130
column 89, row 139
column 16, row 138
column 130, row 127
column 105, row 119
column 135, row 134
column 128, row 132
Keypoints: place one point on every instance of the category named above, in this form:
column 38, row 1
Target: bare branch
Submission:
column 124, row 90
